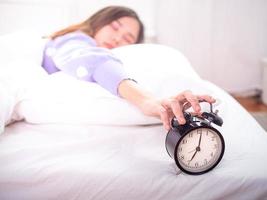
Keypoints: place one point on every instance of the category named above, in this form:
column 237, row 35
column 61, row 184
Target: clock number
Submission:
column 215, row 146
column 190, row 135
column 213, row 138
column 199, row 131
column 205, row 161
column 182, row 157
column 184, row 141
column 196, row 164
column 180, row 149
column 207, row 133
column 211, row 154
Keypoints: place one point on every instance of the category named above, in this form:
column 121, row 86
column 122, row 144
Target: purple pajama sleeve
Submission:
column 78, row 55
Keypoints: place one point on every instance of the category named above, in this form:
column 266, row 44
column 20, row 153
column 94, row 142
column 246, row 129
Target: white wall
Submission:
column 43, row 15
column 225, row 40
column 51, row 15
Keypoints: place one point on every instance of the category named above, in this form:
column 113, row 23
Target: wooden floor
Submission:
column 256, row 108
column 252, row 104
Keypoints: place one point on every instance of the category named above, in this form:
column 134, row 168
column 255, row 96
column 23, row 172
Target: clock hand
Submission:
column 199, row 139
column 193, row 155
column 197, row 149
column 191, row 151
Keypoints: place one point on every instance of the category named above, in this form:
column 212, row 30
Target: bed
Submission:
column 103, row 148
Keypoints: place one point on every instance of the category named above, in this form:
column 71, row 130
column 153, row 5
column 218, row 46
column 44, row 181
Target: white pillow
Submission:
column 153, row 64
column 20, row 61
column 22, row 44
column 59, row 98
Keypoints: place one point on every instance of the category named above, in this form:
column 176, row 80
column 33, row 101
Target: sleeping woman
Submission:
column 83, row 51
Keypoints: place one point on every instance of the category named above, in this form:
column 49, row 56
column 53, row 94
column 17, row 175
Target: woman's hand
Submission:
column 167, row 108
column 164, row 109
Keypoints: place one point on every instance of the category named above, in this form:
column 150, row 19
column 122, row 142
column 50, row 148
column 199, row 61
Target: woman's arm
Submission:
column 165, row 109
column 74, row 54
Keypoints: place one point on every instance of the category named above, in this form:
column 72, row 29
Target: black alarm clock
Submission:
column 196, row 146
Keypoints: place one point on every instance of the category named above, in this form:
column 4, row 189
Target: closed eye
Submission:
column 127, row 36
column 115, row 25
column 128, row 39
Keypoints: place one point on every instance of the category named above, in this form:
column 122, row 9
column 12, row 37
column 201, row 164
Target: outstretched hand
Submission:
column 164, row 109
column 167, row 108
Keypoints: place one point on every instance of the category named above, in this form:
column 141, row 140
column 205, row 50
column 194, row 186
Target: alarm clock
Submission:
column 196, row 146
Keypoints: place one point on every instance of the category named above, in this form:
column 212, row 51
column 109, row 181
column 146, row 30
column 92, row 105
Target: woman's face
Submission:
column 120, row 32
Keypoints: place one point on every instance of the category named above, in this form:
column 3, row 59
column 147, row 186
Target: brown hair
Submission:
column 101, row 18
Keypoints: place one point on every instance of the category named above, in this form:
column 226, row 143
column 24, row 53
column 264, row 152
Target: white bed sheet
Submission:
column 56, row 161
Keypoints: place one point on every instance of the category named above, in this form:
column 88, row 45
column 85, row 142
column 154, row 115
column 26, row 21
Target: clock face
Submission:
column 199, row 150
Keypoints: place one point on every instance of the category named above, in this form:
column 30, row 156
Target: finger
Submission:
column 193, row 100
column 164, row 117
column 174, row 109
column 186, row 105
column 170, row 114
column 177, row 111
column 207, row 98
column 181, row 97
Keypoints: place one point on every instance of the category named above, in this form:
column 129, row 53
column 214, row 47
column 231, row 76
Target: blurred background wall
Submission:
column 225, row 40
